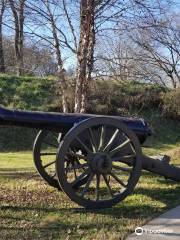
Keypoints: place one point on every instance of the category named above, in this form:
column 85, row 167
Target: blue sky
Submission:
column 70, row 58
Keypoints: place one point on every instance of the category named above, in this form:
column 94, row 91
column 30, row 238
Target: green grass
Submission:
column 166, row 133
column 26, row 92
column 30, row 209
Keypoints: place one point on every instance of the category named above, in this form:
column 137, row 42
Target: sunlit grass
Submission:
column 30, row 209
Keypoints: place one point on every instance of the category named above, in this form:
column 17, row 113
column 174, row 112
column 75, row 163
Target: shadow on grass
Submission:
column 14, row 170
column 166, row 196
column 62, row 220
column 19, row 173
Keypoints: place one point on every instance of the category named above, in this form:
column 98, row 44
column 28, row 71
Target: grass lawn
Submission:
column 30, row 209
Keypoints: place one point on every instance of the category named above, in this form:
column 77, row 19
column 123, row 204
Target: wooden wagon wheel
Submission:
column 44, row 154
column 109, row 158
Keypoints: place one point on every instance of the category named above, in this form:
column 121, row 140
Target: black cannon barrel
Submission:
column 63, row 122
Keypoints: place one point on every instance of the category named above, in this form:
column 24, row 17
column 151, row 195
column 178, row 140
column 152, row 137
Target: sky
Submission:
column 68, row 55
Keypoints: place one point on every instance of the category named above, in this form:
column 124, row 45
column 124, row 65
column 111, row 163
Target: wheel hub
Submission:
column 101, row 163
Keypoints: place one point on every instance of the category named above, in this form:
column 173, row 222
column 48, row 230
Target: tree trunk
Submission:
column 61, row 71
column 87, row 20
column 18, row 15
column 63, row 88
column 90, row 64
column 21, row 37
column 2, row 65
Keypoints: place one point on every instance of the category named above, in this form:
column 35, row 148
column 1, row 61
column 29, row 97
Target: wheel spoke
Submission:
column 111, row 140
column 48, row 154
column 97, row 186
column 122, row 168
column 55, row 136
column 102, row 137
column 108, row 186
column 49, row 164
column 77, row 167
column 132, row 148
column 128, row 159
column 85, row 189
column 114, row 151
column 93, row 142
column 79, row 156
column 65, row 170
column 75, row 174
column 80, row 177
column 50, row 144
column 52, row 177
column 78, row 164
column 118, row 180
column 83, row 145
column 59, row 137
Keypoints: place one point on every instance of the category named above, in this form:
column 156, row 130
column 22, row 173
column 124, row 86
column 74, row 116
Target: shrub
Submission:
column 171, row 104
column 28, row 93
column 128, row 98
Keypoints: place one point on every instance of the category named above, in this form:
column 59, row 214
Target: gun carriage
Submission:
column 96, row 160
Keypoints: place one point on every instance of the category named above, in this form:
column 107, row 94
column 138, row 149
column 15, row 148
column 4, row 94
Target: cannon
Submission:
column 96, row 160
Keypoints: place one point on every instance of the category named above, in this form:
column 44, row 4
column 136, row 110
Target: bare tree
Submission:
column 2, row 9
column 122, row 60
column 94, row 16
column 161, row 49
column 68, row 39
column 85, row 52
column 144, row 45
column 45, row 17
column 17, row 9
column 74, row 35
column 38, row 60
column 61, row 70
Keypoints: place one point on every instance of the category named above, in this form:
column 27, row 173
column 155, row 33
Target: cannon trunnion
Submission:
column 96, row 160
